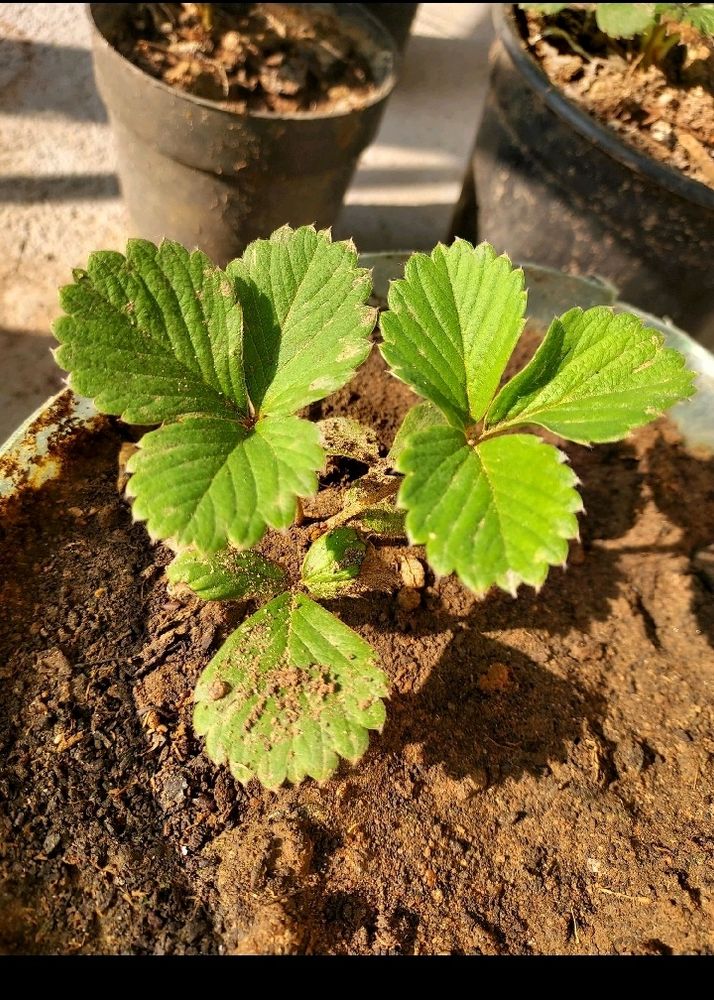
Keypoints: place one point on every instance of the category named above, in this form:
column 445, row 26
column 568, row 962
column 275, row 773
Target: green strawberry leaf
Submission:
column 291, row 691
column 158, row 337
column 544, row 8
column 596, row 376
column 349, row 439
column 227, row 576
column 500, row 512
column 624, row 20
column 333, row 562
column 700, row 17
column 303, row 299
column 420, row 417
column 452, row 324
column 209, row 482
column 153, row 335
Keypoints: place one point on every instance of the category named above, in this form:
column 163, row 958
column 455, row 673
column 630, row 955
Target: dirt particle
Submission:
column 51, row 842
column 218, row 689
column 412, row 572
column 408, row 599
column 496, row 680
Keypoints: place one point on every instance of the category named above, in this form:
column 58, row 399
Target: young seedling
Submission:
column 222, row 362
column 654, row 25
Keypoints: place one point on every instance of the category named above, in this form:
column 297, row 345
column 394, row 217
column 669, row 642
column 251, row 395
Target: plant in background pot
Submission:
column 224, row 361
column 594, row 152
column 231, row 118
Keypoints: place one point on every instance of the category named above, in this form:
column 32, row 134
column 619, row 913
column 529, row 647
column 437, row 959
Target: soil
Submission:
column 268, row 57
column 543, row 783
column 666, row 111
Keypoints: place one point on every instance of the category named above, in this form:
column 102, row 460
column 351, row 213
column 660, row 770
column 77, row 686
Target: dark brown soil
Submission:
column 263, row 57
column 543, row 784
column 664, row 110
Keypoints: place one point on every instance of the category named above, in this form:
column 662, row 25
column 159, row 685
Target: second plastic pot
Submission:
column 194, row 171
column 556, row 186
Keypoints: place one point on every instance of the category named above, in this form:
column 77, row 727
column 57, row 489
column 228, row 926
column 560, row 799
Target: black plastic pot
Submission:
column 195, row 172
column 555, row 186
column 397, row 18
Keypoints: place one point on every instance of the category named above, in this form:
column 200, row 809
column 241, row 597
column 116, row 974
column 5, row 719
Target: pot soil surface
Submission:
column 665, row 111
column 543, row 783
column 268, row 57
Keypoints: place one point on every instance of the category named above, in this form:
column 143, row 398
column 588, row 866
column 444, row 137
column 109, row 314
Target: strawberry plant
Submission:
column 222, row 363
column 655, row 26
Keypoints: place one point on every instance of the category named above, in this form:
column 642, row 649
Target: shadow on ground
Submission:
column 66, row 75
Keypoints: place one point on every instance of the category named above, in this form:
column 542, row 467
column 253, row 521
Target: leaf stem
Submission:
column 207, row 19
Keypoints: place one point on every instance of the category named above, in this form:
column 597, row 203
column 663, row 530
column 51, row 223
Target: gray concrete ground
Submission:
column 59, row 196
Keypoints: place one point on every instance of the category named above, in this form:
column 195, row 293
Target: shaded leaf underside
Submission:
column 624, row 20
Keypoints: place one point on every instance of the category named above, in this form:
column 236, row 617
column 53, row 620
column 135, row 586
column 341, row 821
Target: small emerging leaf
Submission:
column 227, row 576
column 452, row 324
column 349, row 439
column 624, row 20
column 596, row 376
column 371, row 504
column 333, row 562
column 303, row 299
column 291, row 691
column 211, row 482
column 384, row 520
column 498, row 513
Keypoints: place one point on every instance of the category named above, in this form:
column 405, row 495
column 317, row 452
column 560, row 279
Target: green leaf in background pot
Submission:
column 290, row 692
column 596, row 376
column 210, row 482
column 153, row 335
column 498, row 513
column 624, row 20
column 333, row 562
column 307, row 326
column 452, row 324
column 544, row 8
column 700, row 16
column 227, row 576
